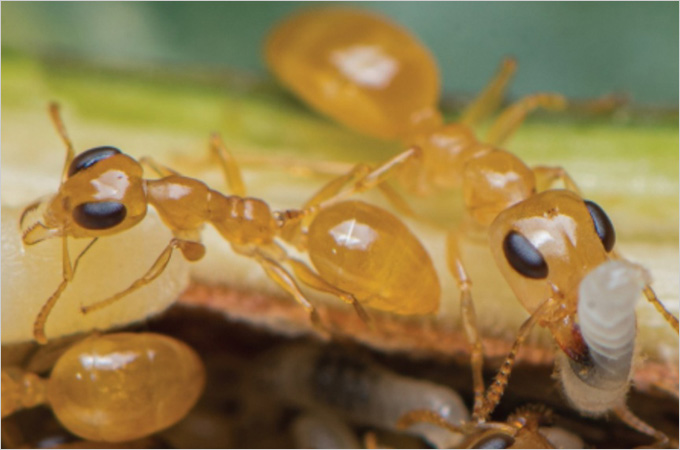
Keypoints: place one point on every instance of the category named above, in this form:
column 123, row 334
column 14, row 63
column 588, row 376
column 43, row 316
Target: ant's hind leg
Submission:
column 513, row 116
column 468, row 316
column 230, row 167
column 307, row 276
column 68, row 272
column 192, row 251
column 491, row 97
column 280, row 276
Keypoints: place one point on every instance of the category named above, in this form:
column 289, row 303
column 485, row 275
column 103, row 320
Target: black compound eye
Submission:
column 99, row 215
column 90, row 157
column 523, row 256
column 496, row 440
column 603, row 226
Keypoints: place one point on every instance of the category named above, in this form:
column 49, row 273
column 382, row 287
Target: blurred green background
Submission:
column 582, row 50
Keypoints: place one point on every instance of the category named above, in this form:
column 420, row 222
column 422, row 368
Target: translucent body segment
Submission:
column 124, row 386
column 359, row 69
column 365, row 250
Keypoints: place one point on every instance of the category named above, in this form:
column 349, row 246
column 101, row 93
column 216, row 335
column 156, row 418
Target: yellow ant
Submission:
column 363, row 253
column 373, row 77
column 113, row 388
column 525, row 428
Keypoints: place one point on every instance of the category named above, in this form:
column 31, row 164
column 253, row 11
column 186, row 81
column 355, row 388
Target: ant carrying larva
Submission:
column 545, row 242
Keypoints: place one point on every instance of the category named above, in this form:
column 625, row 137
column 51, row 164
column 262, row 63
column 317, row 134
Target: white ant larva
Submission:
column 606, row 311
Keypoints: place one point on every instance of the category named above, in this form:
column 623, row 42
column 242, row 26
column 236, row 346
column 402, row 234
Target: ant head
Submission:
column 102, row 194
column 549, row 243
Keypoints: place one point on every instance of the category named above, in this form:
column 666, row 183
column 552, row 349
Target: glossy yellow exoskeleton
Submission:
column 372, row 76
column 113, row 388
column 364, row 254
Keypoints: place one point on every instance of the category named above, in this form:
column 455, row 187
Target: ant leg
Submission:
column 280, row 276
column 375, row 177
column 633, row 421
column 546, row 176
column 231, row 170
column 68, row 271
column 307, row 276
column 490, row 98
column 654, row 300
column 291, row 220
column 331, row 191
column 495, row 391
column 468, row 316
column 55, row 115
column 423, row 415
column 160, row 169
column 513, row 116
column 192, row 251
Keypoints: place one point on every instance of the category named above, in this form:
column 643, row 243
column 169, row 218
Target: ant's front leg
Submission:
column 68, row 272
column 497, row 387
column 192, row 251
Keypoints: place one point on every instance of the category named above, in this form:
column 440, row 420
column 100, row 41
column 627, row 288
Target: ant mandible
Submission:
column 375, row 78
column 363, row 254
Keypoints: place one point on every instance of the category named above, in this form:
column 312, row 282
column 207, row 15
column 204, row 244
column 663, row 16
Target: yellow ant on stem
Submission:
column 363, row 254
column 373, row 77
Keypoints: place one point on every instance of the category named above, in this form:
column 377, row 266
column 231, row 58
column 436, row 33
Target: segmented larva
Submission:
column 606, row 311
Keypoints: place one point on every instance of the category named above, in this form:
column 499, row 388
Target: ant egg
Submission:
column 113, row 263
column 124, row 386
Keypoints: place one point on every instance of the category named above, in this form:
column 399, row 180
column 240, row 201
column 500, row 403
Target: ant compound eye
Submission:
column 523, row 256
column 99, row 215
column 496, row 440
column 90, row 157
column 603, row 226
